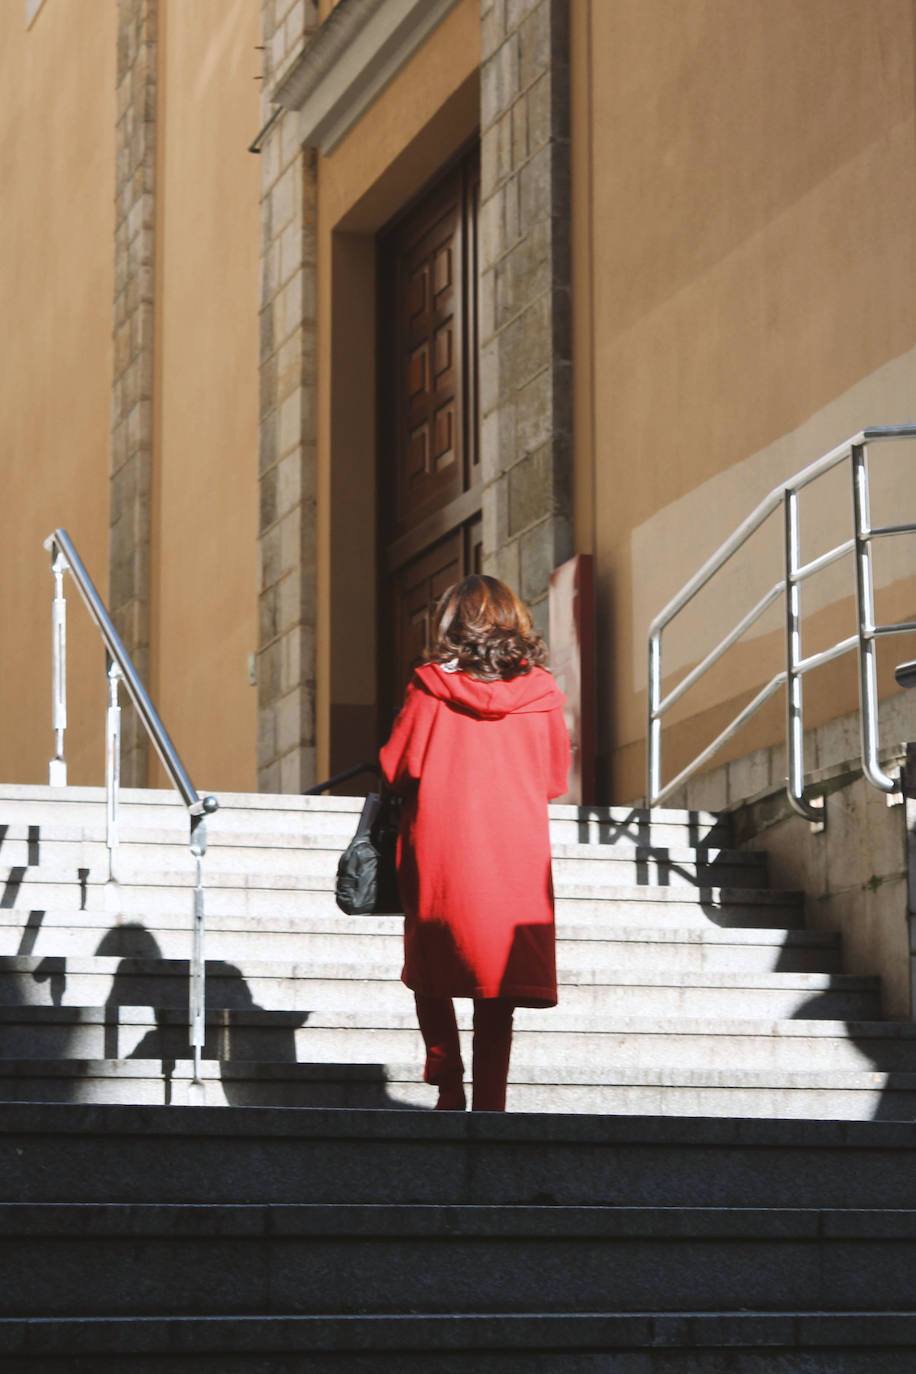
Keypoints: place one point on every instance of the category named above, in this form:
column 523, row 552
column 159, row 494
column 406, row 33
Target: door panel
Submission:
column 418, row 587
column 429, row 487
column 429, row 379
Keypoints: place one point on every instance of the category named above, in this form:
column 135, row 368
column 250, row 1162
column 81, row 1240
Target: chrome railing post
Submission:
column 120, row 668
column 796, row 666
column 654, row 780
column 795, row 727
column 113, row 769
column 197, row 1013
column 57, row 768
column 865, row 604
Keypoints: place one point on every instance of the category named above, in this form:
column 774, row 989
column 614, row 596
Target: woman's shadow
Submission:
column 234, row 1030
column 238, row 1030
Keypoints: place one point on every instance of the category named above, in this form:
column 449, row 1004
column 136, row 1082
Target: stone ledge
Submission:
column 357, row 52
column 481, row 1332
column 513, row 1129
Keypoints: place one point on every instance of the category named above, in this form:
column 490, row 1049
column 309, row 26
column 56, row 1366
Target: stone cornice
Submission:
column 358, row 50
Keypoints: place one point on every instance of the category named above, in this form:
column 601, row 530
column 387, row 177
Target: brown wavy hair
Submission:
column 487, row 630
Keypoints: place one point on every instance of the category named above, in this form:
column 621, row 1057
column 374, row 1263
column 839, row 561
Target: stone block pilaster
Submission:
column 132, row 392
column 287, row 521
column 525, row 297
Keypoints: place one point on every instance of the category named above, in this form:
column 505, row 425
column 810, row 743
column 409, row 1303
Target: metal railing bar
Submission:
column 717, row 561
column 64, row 558
column 865, row 610
column 766, row 507
column 884, row 432
column 804, row 665
column 721, row 648
column 795, row 738
column 135, row 689
column 824, row 560
column 371, row 767
column 740, row 720
column 889, row 529
column 786, row 494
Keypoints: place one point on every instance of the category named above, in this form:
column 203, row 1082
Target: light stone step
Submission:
column 230, row 937
column 791, row 1342
column 96, row 1047
column 68, row 1260
column 22, row 842
column 36, row 804
column 557, row 1040
column 266, row 894
column 64, row 858
column 773, row 1095
column 660, row 906
column 311, row 987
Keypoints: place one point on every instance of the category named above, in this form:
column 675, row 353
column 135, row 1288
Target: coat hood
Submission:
column 534, row 691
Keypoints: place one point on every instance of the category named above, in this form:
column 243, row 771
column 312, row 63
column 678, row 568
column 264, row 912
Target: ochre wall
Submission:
column 204, row 501
column 744, row 230
column 427, row 112
column 56, row 245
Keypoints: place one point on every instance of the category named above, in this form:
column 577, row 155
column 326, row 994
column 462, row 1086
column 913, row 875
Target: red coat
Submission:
column 478, row 762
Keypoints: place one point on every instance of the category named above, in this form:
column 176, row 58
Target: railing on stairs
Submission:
column 64, row 558
column 339, row 779
column 855, row 450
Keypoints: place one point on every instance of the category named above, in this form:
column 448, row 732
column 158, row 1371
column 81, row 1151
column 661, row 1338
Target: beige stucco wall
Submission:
column 853, row 872
column 204, row 501
column 744, row 228
column 57, row 112
column 426, row 113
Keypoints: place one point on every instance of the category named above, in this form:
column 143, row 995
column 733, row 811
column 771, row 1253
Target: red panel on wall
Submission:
column 572, row 661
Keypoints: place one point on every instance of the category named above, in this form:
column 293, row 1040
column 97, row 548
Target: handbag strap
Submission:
column 368, row 814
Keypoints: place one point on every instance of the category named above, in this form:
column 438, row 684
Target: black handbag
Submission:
column 367, row 878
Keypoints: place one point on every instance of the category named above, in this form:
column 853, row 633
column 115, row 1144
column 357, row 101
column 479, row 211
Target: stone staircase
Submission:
column 687, row 985
column 647, row 1206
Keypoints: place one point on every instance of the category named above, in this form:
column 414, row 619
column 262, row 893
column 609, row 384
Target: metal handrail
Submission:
column 795, row 573
column 64, row 558
column 371, row 767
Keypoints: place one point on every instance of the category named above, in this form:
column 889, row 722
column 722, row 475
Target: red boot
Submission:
column 444, row 1067
column 492, row 1047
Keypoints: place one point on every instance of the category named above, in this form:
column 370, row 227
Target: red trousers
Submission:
column 492, row 1045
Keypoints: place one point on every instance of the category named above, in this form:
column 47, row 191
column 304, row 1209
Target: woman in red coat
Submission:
column 479, row 747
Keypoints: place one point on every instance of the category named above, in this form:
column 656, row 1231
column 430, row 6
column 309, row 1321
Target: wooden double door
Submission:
column 429, row 471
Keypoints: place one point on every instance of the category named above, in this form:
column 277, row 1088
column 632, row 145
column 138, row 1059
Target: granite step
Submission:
column 787, row 1342
column 301, row 938
column 310, row 987
column 96, row 1153
column 65, row 1259
column 665, row 1092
